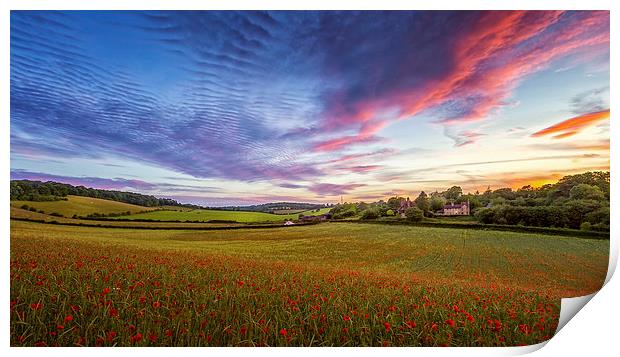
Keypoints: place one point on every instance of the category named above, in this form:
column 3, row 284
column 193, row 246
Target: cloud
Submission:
column 459, row 66
column 382, row 153
column 116, row 183
column 573, row 126
column 361, row 168
column 463, row 138
column 330, row 189
column 219, row 121
column 564, row 146
column 590, row 101
column 95, row 182
column 290, row 185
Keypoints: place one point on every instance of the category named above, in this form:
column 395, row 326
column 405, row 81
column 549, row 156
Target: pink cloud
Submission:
column 330, row 189
column 573, row 126
column 489, row 57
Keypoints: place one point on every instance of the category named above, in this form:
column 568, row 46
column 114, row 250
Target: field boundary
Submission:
column 249, row 226
column 491, row 227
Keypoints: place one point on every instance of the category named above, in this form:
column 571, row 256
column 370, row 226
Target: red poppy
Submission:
column 243, row 330
column 105, row 291
column 524, row 328
column 153, row 337
column 283, row 332
column 36, row 306
column 387, row 326
column 168, row 333
column 113, row 312
column 59, row 327
column 111, row 336
column 156, row 304
column 434, row 327
column 450, row 322
column 411, row 324
column 346, row 318
column 136, row 338
column 345, row 330
column 68, row 318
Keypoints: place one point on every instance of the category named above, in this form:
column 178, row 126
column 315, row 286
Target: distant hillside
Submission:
column 80, row 206
column 26, row 190
column 275, row 207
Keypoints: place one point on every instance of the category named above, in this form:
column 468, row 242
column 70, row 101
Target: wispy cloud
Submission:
column 463, row 138
column 330, row 189
column 573, row 126
column 94, row 182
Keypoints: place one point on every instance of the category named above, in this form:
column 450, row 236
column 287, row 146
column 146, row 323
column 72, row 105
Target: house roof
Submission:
column 464, row 204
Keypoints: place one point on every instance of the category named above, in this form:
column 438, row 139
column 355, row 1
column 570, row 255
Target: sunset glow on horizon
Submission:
column 238, row 108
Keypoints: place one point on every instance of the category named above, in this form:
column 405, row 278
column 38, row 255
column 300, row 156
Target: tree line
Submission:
column 576, row 201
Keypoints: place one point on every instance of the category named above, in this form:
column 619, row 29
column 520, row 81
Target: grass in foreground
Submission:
column 332, row 284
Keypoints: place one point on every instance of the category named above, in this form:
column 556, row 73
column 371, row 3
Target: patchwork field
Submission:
column 329, row 284
column 82, row 206
column 208, row 215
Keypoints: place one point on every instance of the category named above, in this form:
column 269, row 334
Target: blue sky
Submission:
column 218, row 107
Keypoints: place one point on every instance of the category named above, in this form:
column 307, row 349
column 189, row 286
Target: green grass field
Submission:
column 322, row 285
column 81, row 206
column 207, row 215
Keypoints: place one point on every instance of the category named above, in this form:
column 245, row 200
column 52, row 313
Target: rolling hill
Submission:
column 82, row 206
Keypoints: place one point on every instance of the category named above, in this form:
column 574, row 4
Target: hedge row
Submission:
column 494, row 227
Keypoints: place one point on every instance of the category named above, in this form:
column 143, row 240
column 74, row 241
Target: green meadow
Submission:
column 205, row 215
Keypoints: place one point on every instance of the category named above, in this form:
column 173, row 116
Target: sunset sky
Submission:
column 234, row 108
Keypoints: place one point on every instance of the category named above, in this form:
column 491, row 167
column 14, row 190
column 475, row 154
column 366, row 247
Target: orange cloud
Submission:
column 572, row 126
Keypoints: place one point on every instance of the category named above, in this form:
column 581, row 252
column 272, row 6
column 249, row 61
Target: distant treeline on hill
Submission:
column 577, row 201
column 275, row 206
column 26, row 190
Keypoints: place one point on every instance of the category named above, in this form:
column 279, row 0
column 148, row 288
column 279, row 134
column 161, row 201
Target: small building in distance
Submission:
column 459, row 209
column 404, row 206
column 289, row 223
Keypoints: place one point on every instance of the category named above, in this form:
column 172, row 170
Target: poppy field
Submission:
column 324, row 285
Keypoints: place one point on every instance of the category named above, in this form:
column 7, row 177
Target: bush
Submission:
column 32, row 209
column 25, row 207
column 389, row 212
column 370, row 214
column 414, row 214
column 585, row 226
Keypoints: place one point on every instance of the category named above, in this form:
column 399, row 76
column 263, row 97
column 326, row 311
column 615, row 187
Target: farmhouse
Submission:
column 459, row 209
column 404, row 205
